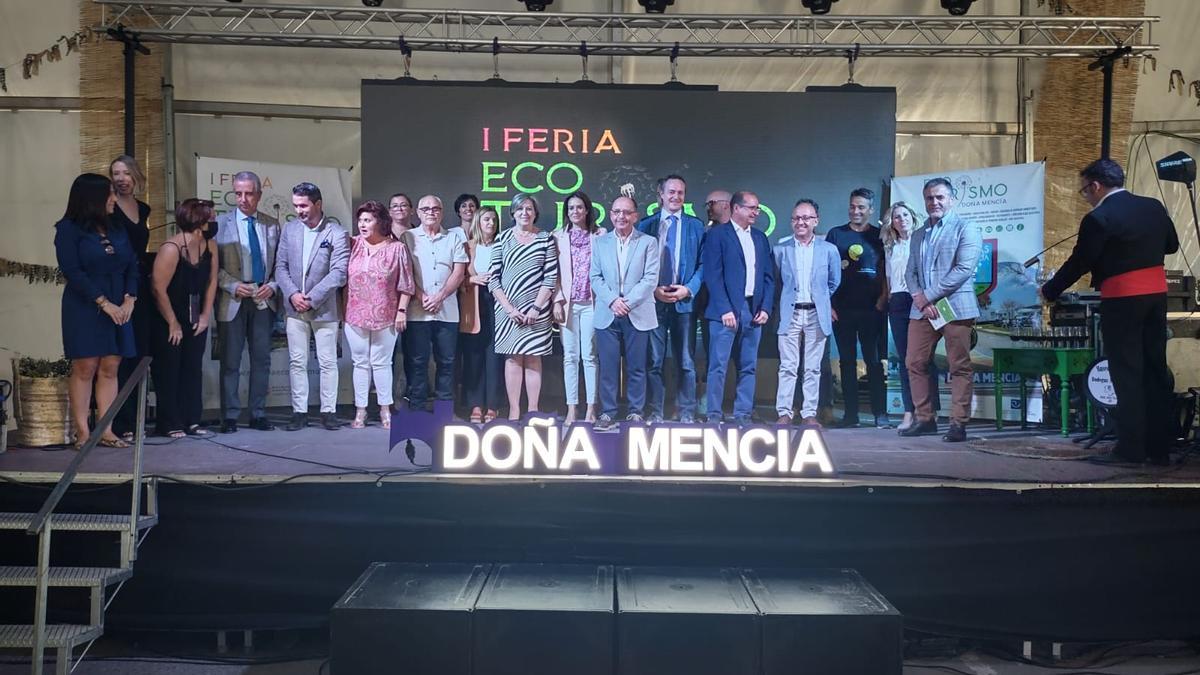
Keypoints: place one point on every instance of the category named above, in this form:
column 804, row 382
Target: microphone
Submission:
column 1034, row 260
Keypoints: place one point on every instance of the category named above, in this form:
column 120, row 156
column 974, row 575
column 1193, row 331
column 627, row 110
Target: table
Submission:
column 1035, row 362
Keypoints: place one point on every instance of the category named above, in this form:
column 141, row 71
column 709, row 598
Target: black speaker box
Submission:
column 406, row 617
column 825, row 622
column 535, row 619
column 685, row 621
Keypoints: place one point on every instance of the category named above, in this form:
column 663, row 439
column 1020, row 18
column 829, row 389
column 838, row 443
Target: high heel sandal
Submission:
column 360, row 419
column 385, row 418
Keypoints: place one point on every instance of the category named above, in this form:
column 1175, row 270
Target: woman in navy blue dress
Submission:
column 100, row 268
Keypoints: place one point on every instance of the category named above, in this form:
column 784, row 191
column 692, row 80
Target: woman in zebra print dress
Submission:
column 524, row 276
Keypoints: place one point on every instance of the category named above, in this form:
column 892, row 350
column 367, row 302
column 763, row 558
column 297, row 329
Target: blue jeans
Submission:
column 747, row 336
column 440, row 338
column 620, row 337
column 676, row 328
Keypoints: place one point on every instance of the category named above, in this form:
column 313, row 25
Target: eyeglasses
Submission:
column 625, row 212
column 751, row 207
column 108, row 246
column 399, row 207
column 430, row 209
column 1083, row 190
column 805, row 219
column 716, row 201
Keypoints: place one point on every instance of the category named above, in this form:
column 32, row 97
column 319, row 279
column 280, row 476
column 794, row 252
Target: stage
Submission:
column 1011, row 459
column 267, row 529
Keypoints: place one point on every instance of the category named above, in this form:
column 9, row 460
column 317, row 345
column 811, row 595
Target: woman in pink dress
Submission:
column 379, row 287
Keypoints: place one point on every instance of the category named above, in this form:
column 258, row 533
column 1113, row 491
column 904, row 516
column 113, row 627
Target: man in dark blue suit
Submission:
column 739, row 275
column 679, row 276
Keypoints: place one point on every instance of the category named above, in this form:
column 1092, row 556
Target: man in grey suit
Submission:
column 624, row 274
column 248, row 300
column 941, row 265
column 314, row 254
column 809, row 271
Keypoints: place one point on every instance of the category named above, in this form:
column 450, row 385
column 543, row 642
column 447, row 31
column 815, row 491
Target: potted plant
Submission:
column 41, row 402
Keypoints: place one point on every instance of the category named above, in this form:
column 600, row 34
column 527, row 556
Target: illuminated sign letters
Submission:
column 544, row 448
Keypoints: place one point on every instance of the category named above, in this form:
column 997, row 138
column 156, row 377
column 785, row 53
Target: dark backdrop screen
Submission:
column 496, row 140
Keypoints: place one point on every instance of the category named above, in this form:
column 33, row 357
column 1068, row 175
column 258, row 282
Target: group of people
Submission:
column 477, row 304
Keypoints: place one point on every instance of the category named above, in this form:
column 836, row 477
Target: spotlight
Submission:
column 536, row 5
column 818, row 6
column 957, row 7
column 655, row 6
column 368, row 3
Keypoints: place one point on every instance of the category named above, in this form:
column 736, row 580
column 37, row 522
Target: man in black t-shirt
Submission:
column 858, row 306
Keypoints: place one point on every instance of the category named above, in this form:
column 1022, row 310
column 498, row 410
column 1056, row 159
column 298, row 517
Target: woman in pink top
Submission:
column 379, row 287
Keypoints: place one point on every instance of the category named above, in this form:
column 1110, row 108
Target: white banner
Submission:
column 214, row 180
column 1008, row 205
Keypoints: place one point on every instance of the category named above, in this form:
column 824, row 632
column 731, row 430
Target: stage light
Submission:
column 370, row 3
column 536, row 5
column 655, row 6
column 818, row 6
column 957, row 7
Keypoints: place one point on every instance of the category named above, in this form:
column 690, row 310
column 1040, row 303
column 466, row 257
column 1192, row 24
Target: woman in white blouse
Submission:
column 898, row 225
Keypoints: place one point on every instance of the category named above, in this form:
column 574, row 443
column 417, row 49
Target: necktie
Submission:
column 668, row 266
column 257, row 268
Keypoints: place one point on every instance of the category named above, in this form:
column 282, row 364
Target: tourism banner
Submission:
column 1007, row 204
column 214, row 180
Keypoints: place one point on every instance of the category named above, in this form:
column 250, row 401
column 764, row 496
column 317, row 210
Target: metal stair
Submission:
column 132, row 527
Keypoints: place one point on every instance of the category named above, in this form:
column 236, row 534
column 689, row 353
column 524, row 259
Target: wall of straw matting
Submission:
column 102, row 123
column 1066, row 128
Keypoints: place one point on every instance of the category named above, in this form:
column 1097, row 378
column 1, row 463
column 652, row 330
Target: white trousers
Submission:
column 326, row 335
column 371, row 352
column 579, row 342
column 803, row 336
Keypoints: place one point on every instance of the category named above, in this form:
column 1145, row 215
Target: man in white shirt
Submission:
column 809, row 271
column 439, row 266
column 248, row 301
column 312, row 267
column 740, row 277
column 679, row 235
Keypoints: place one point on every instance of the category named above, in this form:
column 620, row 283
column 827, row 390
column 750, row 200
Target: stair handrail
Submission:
column 136, row 379
column 40, row 525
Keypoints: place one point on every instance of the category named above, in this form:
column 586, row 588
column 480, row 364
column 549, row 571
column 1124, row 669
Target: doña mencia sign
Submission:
column 542, row 446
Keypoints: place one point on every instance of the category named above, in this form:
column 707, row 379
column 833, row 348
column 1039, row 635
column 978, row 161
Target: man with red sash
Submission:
column 1122, row 242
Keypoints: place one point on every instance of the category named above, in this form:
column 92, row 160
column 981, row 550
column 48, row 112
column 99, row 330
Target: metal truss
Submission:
column 216, row 22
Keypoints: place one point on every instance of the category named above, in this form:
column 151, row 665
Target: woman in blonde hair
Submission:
column 132, row 214
column 898, row 224
column 483, row 371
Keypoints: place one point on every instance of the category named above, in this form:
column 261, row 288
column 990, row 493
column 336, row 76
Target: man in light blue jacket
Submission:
column 809, row 271
column 624, row 274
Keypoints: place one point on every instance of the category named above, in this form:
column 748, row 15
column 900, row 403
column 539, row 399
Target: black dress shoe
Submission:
column 957, row 433
column 261, row 424
column 330, row 421
column 920, row 429
column 298, row 422
column 1114, row 459
column 228, row 426
column 845, row 423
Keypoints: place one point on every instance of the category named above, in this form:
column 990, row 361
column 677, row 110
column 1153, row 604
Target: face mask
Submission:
column 211, row 231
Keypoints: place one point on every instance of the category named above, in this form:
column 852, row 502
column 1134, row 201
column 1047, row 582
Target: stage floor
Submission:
column 1010, row 459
